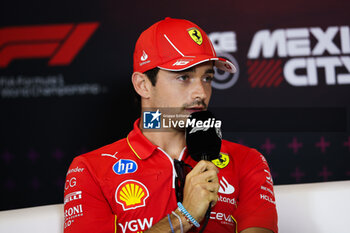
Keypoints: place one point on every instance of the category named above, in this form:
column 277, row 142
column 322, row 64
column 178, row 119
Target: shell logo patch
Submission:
column 222, row 161
column 196, row 35
column 131, row 194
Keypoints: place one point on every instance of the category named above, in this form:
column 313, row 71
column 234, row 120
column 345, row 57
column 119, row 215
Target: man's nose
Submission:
column 198, row 90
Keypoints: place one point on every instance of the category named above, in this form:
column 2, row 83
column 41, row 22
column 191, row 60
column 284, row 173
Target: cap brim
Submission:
column 188, row 62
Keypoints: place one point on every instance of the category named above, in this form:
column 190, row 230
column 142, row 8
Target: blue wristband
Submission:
column 188, row 215
column 171, row 225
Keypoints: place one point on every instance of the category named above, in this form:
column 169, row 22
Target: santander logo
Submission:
column 225, row 187
column 144, row 56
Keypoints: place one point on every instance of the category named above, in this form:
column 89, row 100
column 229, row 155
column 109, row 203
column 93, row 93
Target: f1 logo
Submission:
column 60, row 42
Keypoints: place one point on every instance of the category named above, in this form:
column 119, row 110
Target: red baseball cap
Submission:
column 175, row 45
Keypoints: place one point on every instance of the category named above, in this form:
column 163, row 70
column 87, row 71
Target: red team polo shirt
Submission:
column 128, row 186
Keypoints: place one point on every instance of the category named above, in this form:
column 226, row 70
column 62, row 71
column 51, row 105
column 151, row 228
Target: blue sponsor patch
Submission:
column 125, row 166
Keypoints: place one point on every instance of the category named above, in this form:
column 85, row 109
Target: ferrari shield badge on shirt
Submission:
column 222, row 161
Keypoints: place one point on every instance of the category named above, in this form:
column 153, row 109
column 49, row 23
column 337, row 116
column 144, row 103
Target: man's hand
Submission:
column 201, row 188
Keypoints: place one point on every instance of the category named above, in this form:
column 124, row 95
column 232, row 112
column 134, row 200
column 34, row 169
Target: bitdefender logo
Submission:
column 58, row 42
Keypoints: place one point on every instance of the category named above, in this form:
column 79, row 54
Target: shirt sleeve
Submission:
column 256, row 201
column 85, row 207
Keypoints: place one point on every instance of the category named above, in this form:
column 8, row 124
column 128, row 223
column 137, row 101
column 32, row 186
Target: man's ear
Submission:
column 142, row 84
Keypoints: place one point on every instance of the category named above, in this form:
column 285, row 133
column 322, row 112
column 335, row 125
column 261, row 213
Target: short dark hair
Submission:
column 152, row 76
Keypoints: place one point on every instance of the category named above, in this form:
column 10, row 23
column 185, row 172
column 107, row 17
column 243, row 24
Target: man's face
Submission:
column 188, row 90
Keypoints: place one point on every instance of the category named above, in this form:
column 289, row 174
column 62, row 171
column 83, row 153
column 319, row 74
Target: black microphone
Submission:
column 203, row 136
column 203, row 139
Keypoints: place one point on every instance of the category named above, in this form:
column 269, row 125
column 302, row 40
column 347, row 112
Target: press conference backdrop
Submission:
column 65, row 88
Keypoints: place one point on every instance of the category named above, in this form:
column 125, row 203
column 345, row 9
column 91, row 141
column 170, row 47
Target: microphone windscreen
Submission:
column 203, row 136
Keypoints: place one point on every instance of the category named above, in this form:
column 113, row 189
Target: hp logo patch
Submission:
column 125, row 166
column 151, row 120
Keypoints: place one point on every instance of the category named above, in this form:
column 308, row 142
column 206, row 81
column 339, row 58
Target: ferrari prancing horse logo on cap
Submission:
column 196, row 35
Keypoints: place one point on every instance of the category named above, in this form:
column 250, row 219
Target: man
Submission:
column 129, row 185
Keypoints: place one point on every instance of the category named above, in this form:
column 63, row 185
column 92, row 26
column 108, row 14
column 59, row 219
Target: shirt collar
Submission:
column 138, row 143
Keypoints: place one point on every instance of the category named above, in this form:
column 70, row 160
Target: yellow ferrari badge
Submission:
column 196, row 35
column 222, row 161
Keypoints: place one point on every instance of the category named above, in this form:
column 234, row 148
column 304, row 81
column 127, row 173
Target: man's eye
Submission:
column 182, row 77
column 208, row 79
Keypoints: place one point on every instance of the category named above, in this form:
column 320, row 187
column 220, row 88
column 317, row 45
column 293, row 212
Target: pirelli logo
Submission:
column 72, row 196
column 58, row 42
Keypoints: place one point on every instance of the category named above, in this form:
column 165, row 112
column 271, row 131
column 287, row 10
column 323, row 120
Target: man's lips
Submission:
column 195, row 109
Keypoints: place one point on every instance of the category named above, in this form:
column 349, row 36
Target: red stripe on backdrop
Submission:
column 274, row 77
column 259, row 67
column 278, row 81
column 73, row 44
column 252, row 66
column 27, row 34
column 21, row 51
column 270, row 73
column 263, row 73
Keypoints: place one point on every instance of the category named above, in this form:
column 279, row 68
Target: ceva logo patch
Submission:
column 125, row 166
column 131, row 194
